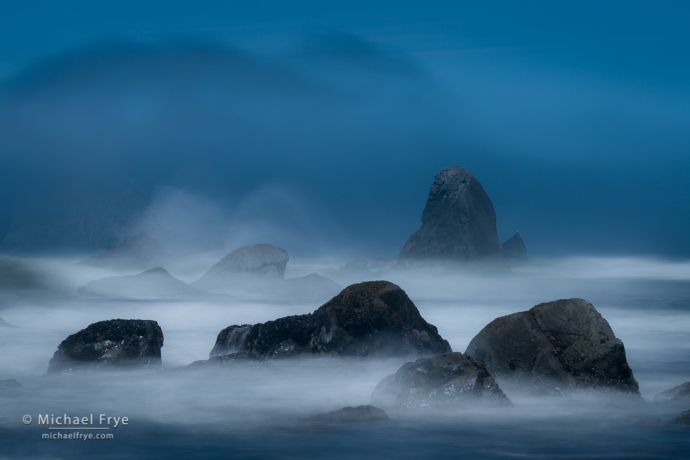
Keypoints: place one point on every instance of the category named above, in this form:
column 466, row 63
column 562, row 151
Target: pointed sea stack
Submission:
column 458, row 222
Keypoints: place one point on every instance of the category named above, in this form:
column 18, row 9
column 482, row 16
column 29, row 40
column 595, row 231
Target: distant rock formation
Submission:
column 450, row 381
column 123, row 342
column 369, row 319
column 135, row 252
column 356, row 265
column 260, row 261
column 4, row 324
column 458, row 222
column 514, row 248
column 554, row 347
column 381, row 264
column 311, row 286
column 156, row 283
column 676, row 395
column 684, row 418
column 349, row 416
column 10, row 384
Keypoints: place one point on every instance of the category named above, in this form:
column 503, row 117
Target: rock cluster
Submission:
column 450, row 381
column 553, row 347
column 124, row 342
column 374, row 318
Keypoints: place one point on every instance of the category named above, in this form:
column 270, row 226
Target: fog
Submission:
column 646, row 302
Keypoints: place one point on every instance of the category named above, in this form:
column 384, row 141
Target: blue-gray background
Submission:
column 327, row 121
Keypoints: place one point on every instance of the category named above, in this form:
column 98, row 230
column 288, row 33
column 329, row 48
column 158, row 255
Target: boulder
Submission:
column 450, row 381
column 458, row 222
column 684, row 418
column 123, row 342
column 514, row 248
column 259, row 262
column 369, row 319
column 349, row 416
column 676, row 395
column 554, row 347
column 135, row 252
column 156, row 283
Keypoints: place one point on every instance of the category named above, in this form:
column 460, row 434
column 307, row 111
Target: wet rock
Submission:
column 514, row 248
column 554, row 347
column 135, row 252
column 368, row 319
column 4, row 324
column 259, row 262
column 156, row 283
column 450, row 381
column 676, row 395
column 458, row 222
column 116, row 342
column 349, row 416
column 10, row 383
column 684, row 418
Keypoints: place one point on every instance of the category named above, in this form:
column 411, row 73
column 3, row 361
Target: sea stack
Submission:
column 458, row 222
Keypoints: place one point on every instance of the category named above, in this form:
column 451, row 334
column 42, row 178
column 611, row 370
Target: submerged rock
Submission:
column 368, row 319
column 458, row 222
column 554, row 347
column 450, row 381
column 156, row 283
column 256, row 263
column 124, row 342
column 676, row 395
column 350, row 415
column 514, row 248
column 136, row 251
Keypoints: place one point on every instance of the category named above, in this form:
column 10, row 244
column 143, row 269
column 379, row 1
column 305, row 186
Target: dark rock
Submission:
column 156, row 283
column 449, row 381
column 356, row 265
column 369, row 319
column 554, row 347
column 676, row 395
column 260, row 261
column 10, row 383
column 124, row 342
column 458, row 222
column 514, row 248
column 136, row 251
column 349, row 416
column 4, row 324
column 684, row 418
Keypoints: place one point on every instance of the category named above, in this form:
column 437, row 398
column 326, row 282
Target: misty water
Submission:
column 256, row 410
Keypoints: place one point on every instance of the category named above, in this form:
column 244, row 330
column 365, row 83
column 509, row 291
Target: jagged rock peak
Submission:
column 458, row 222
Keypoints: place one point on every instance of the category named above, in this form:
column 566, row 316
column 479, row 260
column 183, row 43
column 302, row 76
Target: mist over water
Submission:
column 255, row 410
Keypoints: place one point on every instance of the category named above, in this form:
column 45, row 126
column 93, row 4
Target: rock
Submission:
column 684, row 418
column 458, row 222
column 4, row 324
column 676, row 395
column 450, row 381
column 369, row 319
column 156, row 283
column 350, row 415
column 260, row 261
column 554, row 347
column 136, row 251
column 356, row 265
column 124, row 342
column 514, row 248
column 10, row 383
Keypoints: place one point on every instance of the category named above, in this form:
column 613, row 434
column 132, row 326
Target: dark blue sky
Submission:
column 327, row 121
